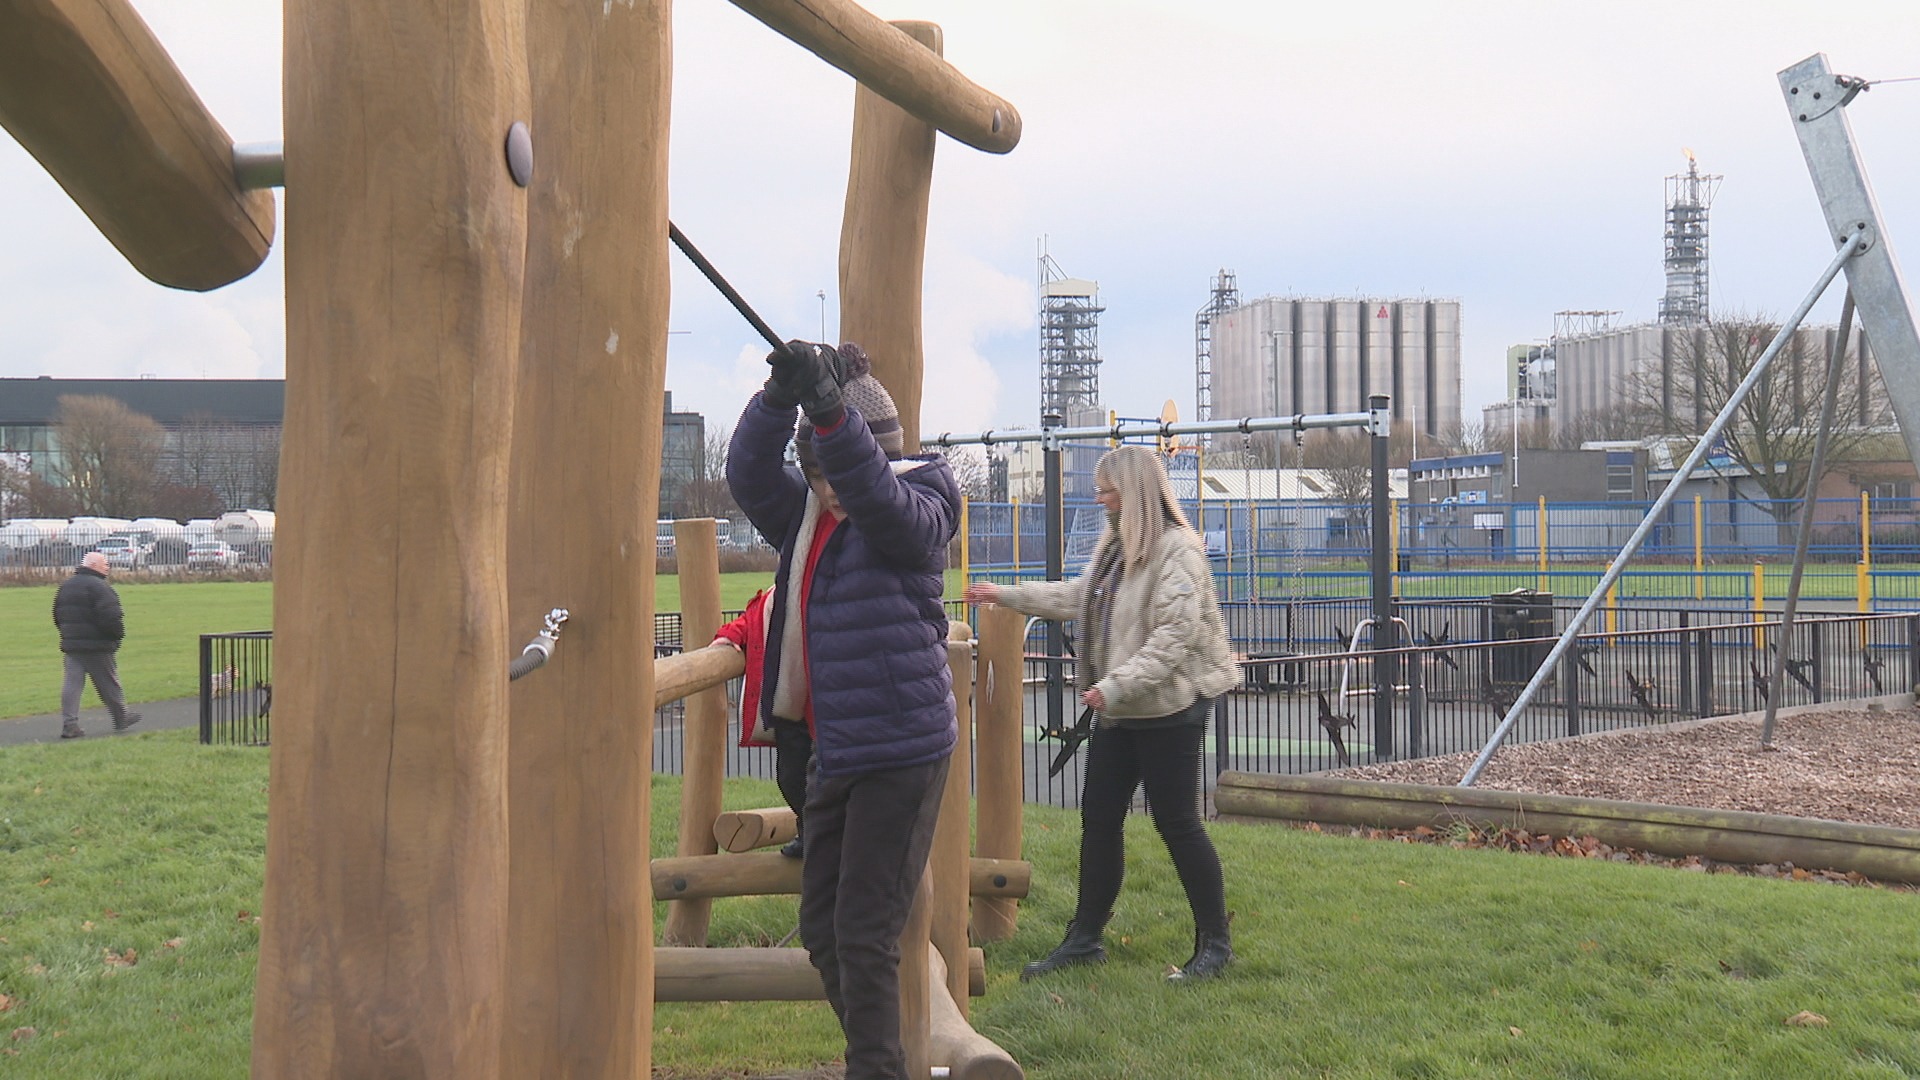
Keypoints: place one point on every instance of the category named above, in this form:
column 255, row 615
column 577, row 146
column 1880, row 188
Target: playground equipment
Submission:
column 1815, row 99
column 476, row 273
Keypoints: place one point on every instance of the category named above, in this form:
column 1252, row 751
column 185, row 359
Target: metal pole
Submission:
column 1849, row 247
column 1119, row 431
column 1386, row 633
column 1056, row 571
column 1835, row 361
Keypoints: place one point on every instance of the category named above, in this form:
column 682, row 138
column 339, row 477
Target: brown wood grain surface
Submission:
column 385, row 911
column 883, row 241
column 586, row 486
column 90, row 92
column 703, row 733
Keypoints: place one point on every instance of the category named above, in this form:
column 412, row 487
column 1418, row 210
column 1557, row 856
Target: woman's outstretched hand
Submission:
column 982, row 592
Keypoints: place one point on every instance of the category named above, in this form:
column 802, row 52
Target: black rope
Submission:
column 739, row 303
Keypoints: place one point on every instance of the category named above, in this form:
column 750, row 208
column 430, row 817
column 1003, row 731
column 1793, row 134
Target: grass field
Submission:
column 129, row 933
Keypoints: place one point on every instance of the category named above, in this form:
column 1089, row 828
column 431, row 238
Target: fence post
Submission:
column 1687, row 689
column 1819, row 666
column 1570, row 678
column 206, row 689
column 703, row 726
column 1699, row 548
column 1220, row 762
column 999, row 701
column 1703, row 697
column 1541, row 535
column 1417, row 705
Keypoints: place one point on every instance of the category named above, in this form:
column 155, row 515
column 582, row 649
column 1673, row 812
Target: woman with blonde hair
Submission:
column 1153, row 655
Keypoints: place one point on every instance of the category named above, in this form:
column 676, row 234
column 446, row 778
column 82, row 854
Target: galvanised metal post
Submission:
column 1386, row 632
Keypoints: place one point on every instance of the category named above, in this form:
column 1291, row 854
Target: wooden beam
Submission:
column 883, row 240
column 586, row 457
column 967, row 1054
column 757, row 974
column 694, row 670
column 92, row 95
column 898, row 68
column 747, row 830
column 769, row 873
column 383, row 950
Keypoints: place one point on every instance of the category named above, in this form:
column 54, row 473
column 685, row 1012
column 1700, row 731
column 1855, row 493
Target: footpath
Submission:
column 154, row 716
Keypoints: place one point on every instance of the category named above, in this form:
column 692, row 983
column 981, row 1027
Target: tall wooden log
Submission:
column 703, row 733
column 954, row 834
column 849, row 37
column 586, row 485
column 915, row 998
column 883, row 240
column 92, row 95
column 999, row 706
column 384, row 942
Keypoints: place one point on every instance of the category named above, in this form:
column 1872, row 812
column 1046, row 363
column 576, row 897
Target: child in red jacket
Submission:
column 792, row 743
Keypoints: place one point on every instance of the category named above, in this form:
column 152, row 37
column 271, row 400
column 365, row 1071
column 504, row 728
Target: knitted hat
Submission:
column 864, row 393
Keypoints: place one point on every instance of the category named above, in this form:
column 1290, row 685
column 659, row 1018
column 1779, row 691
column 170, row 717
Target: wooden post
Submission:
column 952, row 836
column 967, row 1054
column 999, row 709
column 703, row 729
column 588, row 428
column 915, row 1004
column 383, row 951
column 883, row 240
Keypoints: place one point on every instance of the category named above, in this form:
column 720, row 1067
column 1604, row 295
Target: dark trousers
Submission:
column 1167, row 760
column 792, row 752
column 867, row 840
column 100, row 667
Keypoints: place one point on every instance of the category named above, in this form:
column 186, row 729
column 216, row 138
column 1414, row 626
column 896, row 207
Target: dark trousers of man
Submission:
column 100, row 667
column 792, row 753
column 1167, row 760
column 867, row 839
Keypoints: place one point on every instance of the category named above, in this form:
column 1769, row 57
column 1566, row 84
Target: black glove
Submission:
column 820, row 373
column 785, row 387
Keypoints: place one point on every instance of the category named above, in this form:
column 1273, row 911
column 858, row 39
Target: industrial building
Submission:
column 1279, row 356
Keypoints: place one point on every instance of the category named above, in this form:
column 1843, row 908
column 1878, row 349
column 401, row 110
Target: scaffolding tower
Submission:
column 1689, row 195
column 1225, row 296
column 1069, row 343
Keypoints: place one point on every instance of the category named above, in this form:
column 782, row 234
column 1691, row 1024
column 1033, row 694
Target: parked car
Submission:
column 212, row 555
column 124, row 552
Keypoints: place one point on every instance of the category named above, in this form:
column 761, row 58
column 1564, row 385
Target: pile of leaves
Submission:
column 1522, row 841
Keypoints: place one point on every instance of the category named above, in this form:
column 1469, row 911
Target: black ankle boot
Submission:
column 1078, row 947
column 1212, row 952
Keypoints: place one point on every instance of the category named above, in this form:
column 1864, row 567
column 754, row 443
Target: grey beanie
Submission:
column 864, row 393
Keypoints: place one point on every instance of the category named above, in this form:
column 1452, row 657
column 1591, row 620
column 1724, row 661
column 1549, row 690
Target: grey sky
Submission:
column 1509, row 154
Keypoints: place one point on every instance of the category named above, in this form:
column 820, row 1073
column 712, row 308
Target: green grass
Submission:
column 160, row 659
column 1357, row 958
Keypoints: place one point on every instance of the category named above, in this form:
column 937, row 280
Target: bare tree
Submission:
column 1771, row 435
column 1627, row 420
column 1345, row 460
column 708, row 495
column 108, row 454
column 970, row 471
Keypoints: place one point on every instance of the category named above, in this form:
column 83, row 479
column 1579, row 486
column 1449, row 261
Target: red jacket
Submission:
column 748, row 633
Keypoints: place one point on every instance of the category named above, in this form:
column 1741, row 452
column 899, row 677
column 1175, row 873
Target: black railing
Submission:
column 236, row 687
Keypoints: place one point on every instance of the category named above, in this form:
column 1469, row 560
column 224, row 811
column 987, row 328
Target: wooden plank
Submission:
column 883, row 240
column 683, row 973
column 88, row 90
column 689, row 672
column 967, row 1054
column 703, row 735
column 999, row 708
column 586, row 486
column 383, row 947
column 879, row 55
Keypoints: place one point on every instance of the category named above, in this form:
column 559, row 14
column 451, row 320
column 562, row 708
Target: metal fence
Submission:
column 236, row 687
column 1468, row 661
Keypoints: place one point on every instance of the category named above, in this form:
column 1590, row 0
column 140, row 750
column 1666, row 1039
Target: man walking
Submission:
column 87, row 611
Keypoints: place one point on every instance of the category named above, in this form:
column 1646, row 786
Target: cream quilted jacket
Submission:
column 1167, row 643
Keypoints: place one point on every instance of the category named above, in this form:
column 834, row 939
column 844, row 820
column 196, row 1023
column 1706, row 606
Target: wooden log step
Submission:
column 698, row 974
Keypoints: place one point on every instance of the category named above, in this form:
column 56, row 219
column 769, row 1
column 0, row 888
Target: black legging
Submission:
column 792, row 749
column 1167, row 759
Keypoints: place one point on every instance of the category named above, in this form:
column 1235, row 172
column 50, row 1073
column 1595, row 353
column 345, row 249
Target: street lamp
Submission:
column 822, row 294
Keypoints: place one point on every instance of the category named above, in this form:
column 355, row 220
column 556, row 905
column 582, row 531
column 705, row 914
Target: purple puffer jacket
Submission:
column 876, row 630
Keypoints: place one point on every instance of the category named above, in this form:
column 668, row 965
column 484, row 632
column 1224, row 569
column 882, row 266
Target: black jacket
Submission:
column 87, row 611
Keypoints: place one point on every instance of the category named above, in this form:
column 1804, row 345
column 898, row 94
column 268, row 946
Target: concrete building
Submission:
column 1278, row 356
